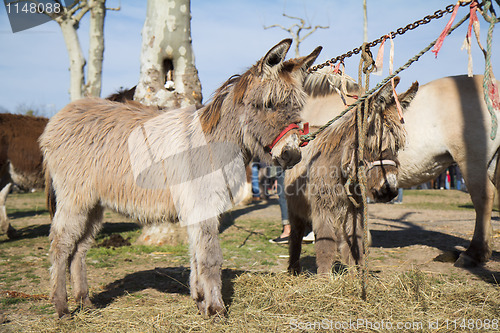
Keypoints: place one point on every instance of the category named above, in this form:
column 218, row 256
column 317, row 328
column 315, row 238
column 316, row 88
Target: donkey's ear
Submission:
column 385, row 95
column 311, row 58
column 276, row 54
column 406, row 97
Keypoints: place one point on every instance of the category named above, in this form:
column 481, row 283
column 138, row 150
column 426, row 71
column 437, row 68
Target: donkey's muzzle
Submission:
column 385, row 194
column 387, row 190
column 289, row 157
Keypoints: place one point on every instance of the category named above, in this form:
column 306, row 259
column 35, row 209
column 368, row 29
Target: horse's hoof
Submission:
column 466, row 261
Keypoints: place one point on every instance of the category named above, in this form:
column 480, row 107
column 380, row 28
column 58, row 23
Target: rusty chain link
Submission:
column 400, row 31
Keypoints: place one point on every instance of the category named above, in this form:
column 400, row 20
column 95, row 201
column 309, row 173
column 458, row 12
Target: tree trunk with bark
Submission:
column 168, row 79
column 69, row 22
column 96, row 47
column 76, row 58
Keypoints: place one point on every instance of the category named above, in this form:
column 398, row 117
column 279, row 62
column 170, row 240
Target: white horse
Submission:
column 447, row 122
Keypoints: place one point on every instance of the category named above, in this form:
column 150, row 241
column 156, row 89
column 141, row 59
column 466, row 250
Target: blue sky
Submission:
column 228, row 37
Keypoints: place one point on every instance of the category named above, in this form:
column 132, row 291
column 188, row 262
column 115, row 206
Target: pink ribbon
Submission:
column 447, row 28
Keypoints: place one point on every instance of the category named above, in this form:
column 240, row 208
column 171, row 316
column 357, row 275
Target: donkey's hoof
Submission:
column 217, row 311
column 206, row 310
column 64, row 316
column 466, row 261
column 62, row 309
column 12, row 233
column 84, row 302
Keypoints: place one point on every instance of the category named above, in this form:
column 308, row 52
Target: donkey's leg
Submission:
column 206, row 266
column 5, row 227
column 326, row 242
column 295, row 243
column 67, row 228
column 351, row 245
column 78, row 267
column 479, row 251
column 196, row 289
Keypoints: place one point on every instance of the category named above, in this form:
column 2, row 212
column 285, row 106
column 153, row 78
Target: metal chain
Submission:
column 400, row 31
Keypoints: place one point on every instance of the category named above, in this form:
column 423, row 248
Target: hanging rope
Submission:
column 490, row 88
column 368, row 65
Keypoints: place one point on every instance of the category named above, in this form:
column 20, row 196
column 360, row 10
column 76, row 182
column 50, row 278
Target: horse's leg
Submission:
column 295, row 243
column 66, row 229
column 78, row 267
column 206, row 267
column 482, row 193
column 326, row 245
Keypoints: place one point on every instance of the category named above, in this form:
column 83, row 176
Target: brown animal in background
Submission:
column 143, row 162
column 315, row 187
column 20, row 159
column 122, row 95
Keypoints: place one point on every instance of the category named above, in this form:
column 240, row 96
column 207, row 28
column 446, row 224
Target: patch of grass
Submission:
column 43, row 309
column 12, row 278
column 9, row 301
column 437, row 200
column 102, row 257
column 33, row 277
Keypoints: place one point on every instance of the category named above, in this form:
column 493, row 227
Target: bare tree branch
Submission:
column 313, row 30
column 116, row 8
column 296, row 29
column 84, row 8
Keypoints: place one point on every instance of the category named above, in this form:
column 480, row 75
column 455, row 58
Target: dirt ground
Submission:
column 429, row 239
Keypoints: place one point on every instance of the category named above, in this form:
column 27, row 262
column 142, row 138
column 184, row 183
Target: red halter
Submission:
column 288, row 129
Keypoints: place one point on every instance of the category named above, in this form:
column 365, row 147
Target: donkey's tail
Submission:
column 50, row 194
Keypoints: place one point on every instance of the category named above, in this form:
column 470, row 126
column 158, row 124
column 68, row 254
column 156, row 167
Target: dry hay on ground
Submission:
column 280, row 303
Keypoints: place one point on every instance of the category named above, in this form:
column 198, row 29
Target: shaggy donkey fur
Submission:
column 92, row 146
column 315, row 187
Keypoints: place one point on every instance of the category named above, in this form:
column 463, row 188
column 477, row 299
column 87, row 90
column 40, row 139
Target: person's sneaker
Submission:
column 279, row 240
column 309, row 238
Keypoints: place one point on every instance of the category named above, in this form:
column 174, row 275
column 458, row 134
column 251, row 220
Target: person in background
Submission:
column 255, row 181
column 285, row 234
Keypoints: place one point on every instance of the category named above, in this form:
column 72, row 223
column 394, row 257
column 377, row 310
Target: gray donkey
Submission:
column 162, row 166
column 316, row 187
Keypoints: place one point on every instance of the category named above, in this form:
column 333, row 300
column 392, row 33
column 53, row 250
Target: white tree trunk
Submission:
column 96, row 47
column 166, row 43
column 76, row 59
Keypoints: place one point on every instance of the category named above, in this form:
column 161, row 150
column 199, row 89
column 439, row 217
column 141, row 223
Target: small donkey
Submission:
column 316, row 187
column 159, row 166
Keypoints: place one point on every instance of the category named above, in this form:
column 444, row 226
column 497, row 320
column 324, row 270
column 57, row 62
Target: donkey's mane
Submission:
column 343, row 133
column 322, row 82
column 210, row 114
